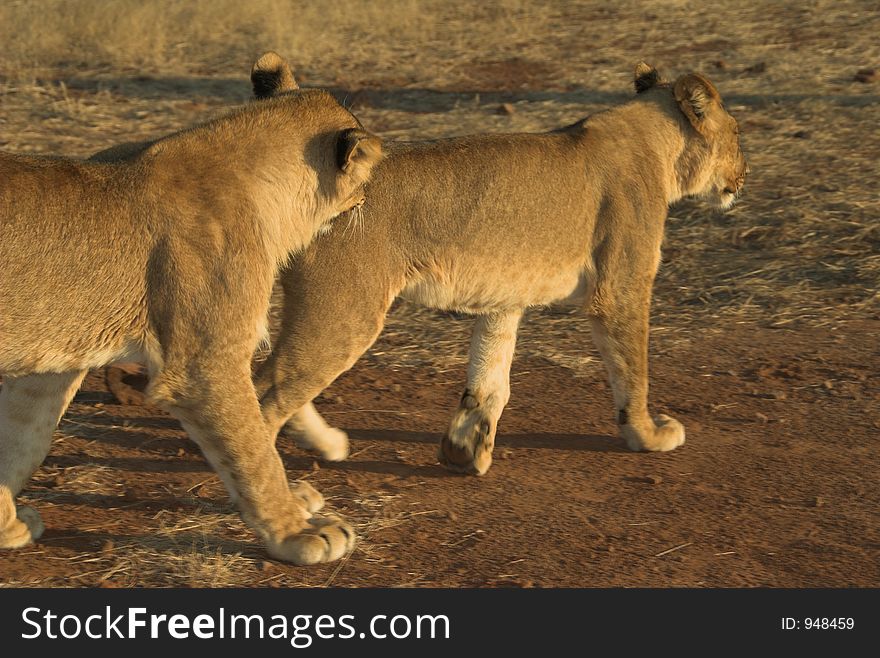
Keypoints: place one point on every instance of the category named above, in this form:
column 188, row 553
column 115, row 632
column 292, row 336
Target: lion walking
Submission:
column 168, row 258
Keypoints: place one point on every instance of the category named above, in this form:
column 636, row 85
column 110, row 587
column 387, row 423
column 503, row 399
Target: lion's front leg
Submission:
column 223, row 416
column 468, row 443
column 620, row 330
column 30, row 408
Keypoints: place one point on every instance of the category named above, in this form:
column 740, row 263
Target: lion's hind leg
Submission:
column 222, row 415
column 30, row 408
column 468, row 443
column 311, row 432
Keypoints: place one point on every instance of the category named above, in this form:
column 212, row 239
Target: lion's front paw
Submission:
column 467, row 446
column 667, row 434
column 311, row 498
column 26, row 528
column 327, row 538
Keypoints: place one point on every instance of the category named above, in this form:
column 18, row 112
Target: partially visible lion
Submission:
column 168, row 257
column 493, row 224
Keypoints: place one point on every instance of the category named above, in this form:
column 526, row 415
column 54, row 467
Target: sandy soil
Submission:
column 775, row 486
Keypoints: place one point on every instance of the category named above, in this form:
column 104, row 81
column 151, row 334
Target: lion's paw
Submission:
column 667, row 434
column 310, row 497
column 467, row 445
column 327, row 538
column 26, row 528
column 330, row 443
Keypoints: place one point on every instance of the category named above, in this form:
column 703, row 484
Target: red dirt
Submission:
column 776, row 485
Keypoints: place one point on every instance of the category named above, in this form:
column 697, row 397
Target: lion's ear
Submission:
column 272, row 75
column 696, row 96
column 646, row 77
column 357, row 148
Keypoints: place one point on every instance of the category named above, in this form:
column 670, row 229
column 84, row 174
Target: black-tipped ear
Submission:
column 272, row 75
column 355, row 146
column 695, row 96
column 646, row 77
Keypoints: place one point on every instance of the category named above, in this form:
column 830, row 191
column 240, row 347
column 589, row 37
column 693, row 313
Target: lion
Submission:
column 167, row 256
column 491, row 225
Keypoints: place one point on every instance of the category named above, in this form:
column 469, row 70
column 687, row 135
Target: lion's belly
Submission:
column 41, row 354
column 477, row 292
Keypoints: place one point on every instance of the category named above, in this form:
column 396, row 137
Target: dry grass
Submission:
column 802, row 246
column 206, row 37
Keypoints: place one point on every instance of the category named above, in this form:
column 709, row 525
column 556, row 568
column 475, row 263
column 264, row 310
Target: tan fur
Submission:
column 167, row 256
column 493, row 224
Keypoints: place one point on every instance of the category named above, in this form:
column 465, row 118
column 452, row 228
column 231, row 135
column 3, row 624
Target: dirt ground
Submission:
column 764, row 328
column 775, row 486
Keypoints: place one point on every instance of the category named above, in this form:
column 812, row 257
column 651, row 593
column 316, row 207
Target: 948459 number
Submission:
column 818, row 623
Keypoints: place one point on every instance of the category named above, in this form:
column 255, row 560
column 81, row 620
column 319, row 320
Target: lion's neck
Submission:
column 250, row 181
column 664, row 144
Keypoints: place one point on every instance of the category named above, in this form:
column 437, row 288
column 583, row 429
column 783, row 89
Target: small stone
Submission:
column 505, row 109
column 867, row 75
column 505, row 453
column 316, row 466
column 645, row 479
column 759, row 67
column 762, row 417
column 181, row 452
column 816, row 501
column 828, row 384
column 397, row 388
column 771, row 395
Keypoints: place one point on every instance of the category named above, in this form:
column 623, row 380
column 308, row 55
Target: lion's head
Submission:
column 712, row 164
column 355, row 150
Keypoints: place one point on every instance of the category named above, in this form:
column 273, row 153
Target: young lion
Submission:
column 169, row 258
column 493, row 224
